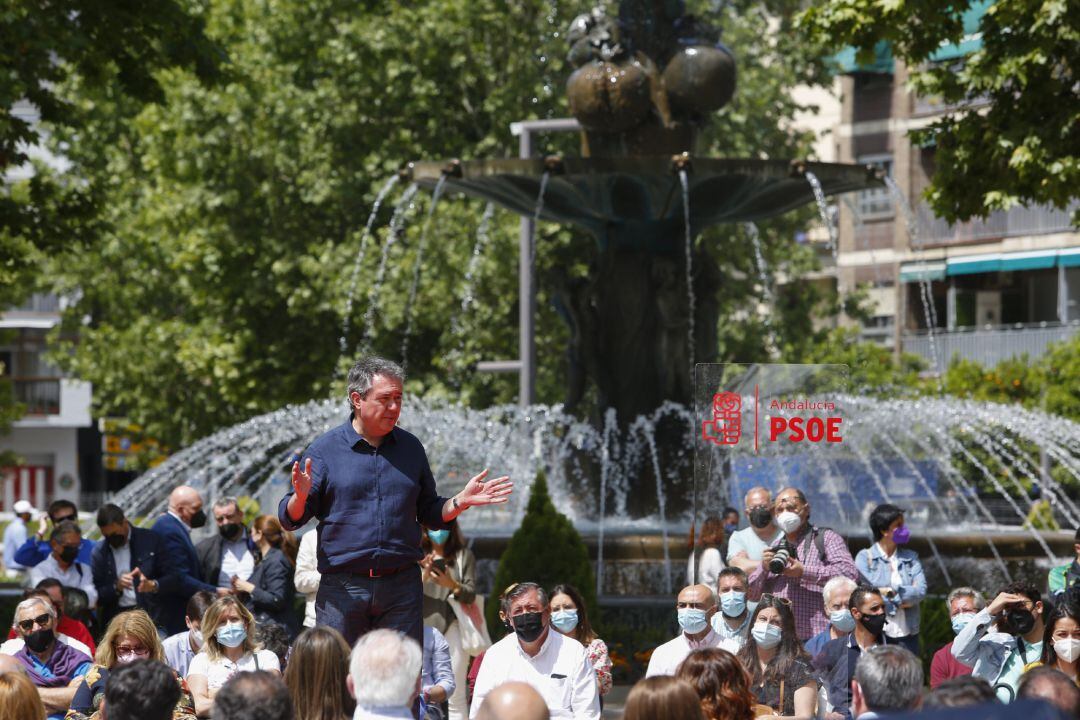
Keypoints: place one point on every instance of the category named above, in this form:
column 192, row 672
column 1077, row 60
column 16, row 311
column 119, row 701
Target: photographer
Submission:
column 798, row 566
column 999, row 655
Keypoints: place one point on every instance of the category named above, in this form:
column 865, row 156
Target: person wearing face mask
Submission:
column 68, row 630
column 180, row 648
column 836, row 594
column 815, row 555
column 62, row 564
column 269, row 593
column 837, row 660
column 570, row 617
column 130, row 636
column 52, row 666
column 732, row 622
column 963, row 603
column 37, row 548
column 694, row 607
column 1061, row 642
column 746, row 546
column 780, row 672
column 448, row 570
column 126, row 565
column 897, row 572
column 230, row 552
column 174, row 527
column 1000, row 653
column 228, row 648
column 706, row 561
column 555, row 665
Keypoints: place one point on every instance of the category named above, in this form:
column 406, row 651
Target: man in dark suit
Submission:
column 127, row 566
column 229, row 552
column 174, row 528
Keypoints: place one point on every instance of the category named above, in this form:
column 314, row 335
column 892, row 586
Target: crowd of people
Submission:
column 776, row 619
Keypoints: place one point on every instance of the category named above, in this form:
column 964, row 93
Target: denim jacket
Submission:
column 875, row 570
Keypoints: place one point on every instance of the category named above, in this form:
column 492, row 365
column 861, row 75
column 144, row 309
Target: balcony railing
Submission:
column 1015, row 222
column 39, row 303
column 990, row 346
column 40, row 395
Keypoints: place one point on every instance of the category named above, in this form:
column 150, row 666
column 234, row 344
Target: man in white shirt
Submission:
column 15, row 534
column 229, row 553
column 384, row 675
column 513, row 701
column 746, row 546
column 554, row 664
column 66, row 539
column 695, row 607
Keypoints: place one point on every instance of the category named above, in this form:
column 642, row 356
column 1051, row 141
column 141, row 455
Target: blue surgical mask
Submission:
column 439, row 537
column 766, row 635
column 842, row 620
column 693, row 620
column 730, row 528
column 733, row 603
column 564, row 620
column 959, row 622
column 232, row 634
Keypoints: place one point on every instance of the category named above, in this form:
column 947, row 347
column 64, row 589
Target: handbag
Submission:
column 474, row 632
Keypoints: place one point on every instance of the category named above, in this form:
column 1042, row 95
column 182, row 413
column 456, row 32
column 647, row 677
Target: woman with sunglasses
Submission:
column 780, row 672
column 130, row 636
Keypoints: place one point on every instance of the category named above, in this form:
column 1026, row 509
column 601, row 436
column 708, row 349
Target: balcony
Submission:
column 1015, row 222
column 40, row 395
column 989, row 345
column 52, row 402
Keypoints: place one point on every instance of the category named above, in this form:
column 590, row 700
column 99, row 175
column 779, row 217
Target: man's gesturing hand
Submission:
column 301, row 479
column 479, row 492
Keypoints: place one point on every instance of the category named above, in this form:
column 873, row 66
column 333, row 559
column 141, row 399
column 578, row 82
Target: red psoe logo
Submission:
column 725, row 427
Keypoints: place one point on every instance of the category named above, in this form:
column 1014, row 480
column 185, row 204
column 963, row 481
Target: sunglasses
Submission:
column 42, row 620
column 65, row 518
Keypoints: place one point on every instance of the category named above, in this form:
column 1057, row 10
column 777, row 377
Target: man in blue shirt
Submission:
column 369, row 484
column 37, row 548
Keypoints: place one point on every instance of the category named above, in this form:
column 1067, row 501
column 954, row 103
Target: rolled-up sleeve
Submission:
column 313, row 506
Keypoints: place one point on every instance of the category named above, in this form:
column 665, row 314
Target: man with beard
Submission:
column 837, row 661
column 555, row 665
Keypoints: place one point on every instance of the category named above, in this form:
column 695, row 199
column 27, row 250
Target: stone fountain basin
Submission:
column 598, row 193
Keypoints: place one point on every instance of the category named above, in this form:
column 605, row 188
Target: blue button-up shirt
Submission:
column 369, row 501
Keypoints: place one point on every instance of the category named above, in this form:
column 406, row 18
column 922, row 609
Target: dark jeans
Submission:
column 353, row 604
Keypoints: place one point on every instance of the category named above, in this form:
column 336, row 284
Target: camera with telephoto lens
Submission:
column 780, row 557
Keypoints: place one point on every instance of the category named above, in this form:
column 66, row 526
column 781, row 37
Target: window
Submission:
column 876, row 203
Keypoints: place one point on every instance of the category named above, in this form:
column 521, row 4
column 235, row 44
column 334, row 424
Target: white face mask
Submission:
column 788, row 521
column 1068, row 649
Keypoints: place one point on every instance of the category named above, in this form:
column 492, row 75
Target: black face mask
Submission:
column 874, row 623
column 760, row 517
column 1018, row 621
column 197, row 520
column 117, row 541
column 230, row 531
column 38, row 640
column 529, row 626
column 68, row 554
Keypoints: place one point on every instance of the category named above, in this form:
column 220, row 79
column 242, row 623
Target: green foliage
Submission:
column 935, row 629
column 1020, row 149
column 1041, row 516
column 546, row 550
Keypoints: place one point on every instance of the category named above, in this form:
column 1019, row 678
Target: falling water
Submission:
column 347, row 315
column 684, row 180
column 483, row 237
column 419, row 263
column 823, row 210
column 605, row 469
column 535, row 222
column 766, row 286
column 397, row 225
column 643, row 427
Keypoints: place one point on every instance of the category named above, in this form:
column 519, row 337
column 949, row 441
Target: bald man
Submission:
column 695, row 607
column 174, row 528
column 513, row 701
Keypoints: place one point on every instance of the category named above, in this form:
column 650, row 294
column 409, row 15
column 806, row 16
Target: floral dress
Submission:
column 598, row 658
column 86, row 705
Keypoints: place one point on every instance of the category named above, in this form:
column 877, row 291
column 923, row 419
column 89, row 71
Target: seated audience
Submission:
column 275, row 638
column 18, row 697
column 182, row 647
column 37, row 548
column 384, row 675
column 780, row 672
column 228, row 648
column 269, row 592
column 888, row 679
column 835, row 594
column 62, row 563
column 306, row 577
column 732, row 623
column 258, row 695
column 316, row 675
column 694, row 607
column 962, row 691
column 68, row 631
column 1061, row 641
column 554, row 664
column 125, row 565
column 513, row 701
column 663, row 698
column 1053, row 686
column 963, row 603
column 53, row 667
column 1000, row 655
column 437, row 678
column 836, row 661
column 705, row 562
column 1064, row 577
column 130, row 636
column 721, row 684
column 570, row 617
column 141, row 690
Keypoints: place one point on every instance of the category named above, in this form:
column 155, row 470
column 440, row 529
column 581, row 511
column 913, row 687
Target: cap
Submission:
column 22, row 506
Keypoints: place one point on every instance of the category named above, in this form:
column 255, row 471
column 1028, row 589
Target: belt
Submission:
column 383, row 572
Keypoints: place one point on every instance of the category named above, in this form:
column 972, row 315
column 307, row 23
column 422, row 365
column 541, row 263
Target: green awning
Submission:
column 1069, row 258
column 1003, row 262
column 881, row 62
column 973, row 264
column 971, row 40
column 914, row 272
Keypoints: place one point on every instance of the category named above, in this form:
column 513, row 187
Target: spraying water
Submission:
column 684, row 180
column 766, row 286
column 823, row 210
column 417, row 266
column 397, row 225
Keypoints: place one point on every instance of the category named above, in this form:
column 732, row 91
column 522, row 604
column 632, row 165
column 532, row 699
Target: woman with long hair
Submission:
column 449, row 571
column 315, row 676
column 705, row 555
column 721, row 684
column 571, row 618
column 19, row 698
column 1061, row 641
column 780, row 672
column 269, row 592
column 130, row 636
column 663, row 697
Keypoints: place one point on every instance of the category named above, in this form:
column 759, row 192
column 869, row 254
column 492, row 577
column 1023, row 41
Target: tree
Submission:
column 1022, row 148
